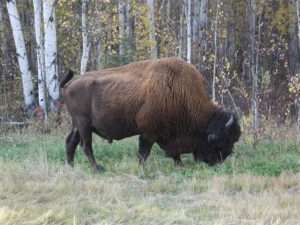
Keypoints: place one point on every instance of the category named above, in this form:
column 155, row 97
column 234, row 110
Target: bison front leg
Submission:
column 72, row 141
column 144, row 149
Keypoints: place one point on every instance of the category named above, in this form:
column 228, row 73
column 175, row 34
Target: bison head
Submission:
column 222, row 132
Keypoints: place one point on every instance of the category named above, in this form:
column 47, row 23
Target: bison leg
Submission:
column 144, row 149
column 177, row 160
column 71, row 143
column 86, row 136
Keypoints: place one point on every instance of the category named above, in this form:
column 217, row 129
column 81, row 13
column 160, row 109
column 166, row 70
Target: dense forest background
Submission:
column 247, row 50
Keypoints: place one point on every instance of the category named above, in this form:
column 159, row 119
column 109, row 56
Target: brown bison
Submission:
column 161, row 100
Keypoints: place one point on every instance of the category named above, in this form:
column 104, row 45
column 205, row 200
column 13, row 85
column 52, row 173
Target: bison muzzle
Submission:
column 164, row 101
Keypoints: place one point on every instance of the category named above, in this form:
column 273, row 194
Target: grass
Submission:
column 259, row 186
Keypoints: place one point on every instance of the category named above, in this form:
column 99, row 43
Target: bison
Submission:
column 164, row 101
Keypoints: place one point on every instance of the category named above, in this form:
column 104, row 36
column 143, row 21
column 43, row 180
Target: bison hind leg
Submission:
column 85, row 131
column 72, row 141
column 177, row 161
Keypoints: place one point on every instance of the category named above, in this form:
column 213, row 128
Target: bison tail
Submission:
column 67, row 78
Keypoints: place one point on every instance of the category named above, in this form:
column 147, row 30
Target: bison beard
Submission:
column 163, row 101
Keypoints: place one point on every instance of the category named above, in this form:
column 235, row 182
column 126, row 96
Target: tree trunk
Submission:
column 181, row 35
column 189, row 31
column 5, row 69
column 152, row 30
column 202, row 31
column 37, row 4
column 129, row 26
column 298, row 16
column 254, row 71
column 21, row 54
column 51, row 53
column 86, row 43
column 4, row 47
column 215, row 53
column 121, row 27
column 294, row 43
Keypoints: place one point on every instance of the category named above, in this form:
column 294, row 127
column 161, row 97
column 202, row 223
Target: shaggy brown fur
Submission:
column 163, row 100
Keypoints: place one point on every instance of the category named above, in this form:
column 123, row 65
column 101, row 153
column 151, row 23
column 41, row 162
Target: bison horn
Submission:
column 212, row 138
column 229, row 122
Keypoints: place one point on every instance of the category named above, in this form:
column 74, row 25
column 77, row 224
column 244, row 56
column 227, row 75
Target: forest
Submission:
column 248, row 53
column 247, row 50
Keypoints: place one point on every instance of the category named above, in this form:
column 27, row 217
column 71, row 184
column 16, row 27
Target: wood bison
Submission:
column 161, row 100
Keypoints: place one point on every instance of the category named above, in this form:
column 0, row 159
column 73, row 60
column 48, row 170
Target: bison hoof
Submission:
column 70, row 163
column 178, row 164
column 97, row 168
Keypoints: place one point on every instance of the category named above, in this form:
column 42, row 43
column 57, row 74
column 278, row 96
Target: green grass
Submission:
column 270, row 158
column 258, row 186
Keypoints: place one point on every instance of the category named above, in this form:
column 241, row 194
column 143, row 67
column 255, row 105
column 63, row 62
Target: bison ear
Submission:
column 212, row 138
column 229, row 123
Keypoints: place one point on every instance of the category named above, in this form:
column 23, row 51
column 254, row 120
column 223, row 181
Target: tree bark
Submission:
column 189, row 31
column 129, row 36
column 181, row 35
column 21, row 54
column 86, row 43
column 37, row 4
column 298, row 16
column 202, row 31
column 121, row 27
column 51, row 53
column 294, row 55
column 215, row 52
column 254, row 71
column 152, row 29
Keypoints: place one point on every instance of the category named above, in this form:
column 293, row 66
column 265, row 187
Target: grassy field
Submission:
column 259, row 186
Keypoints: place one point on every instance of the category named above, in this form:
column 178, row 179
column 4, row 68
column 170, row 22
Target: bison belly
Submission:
column 113, row 126
column 113, row 119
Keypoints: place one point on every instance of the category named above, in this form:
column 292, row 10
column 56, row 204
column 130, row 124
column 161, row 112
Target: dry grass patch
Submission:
column 39, row 193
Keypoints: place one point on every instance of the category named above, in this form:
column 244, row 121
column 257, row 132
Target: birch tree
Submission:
column 51, row 52
column 202, row 30
column 189, row 31
column 152, row 30
column 294, row 43
column 254, row 69
column 86, row 43
column 128, row 24
column 215, row 52
column 21, row 54
column 121, row 26
column 37, row 4
column 181, row 33
column 298, row 16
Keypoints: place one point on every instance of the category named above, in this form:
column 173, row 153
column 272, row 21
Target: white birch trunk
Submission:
column 298, row 16
column 180, row 52
column 203, row 19
column 254, row 71
column 21, row 53
column 121, row 26
column 86, row 43
column 37, row 4
column 189, row 31
column 202, row 30
column 196, row 20
column 51, row 53
column 129, row 25
column 215, row 53
column 152, row 29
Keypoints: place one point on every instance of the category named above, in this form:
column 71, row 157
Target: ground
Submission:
column 259, row 186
